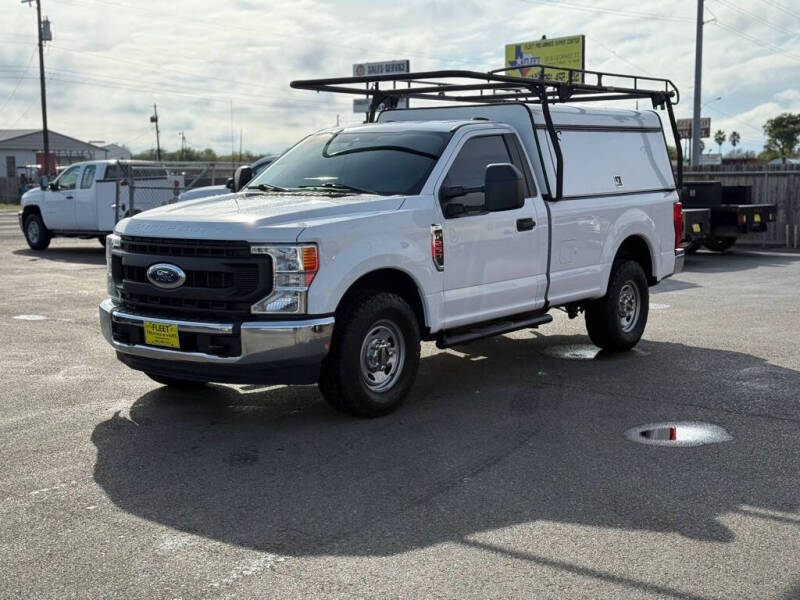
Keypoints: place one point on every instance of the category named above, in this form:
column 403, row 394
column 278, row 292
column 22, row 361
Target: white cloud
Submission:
column 112, row 59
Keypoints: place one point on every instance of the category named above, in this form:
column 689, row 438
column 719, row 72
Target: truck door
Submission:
column 495, row 262
column 59, row 204
column 85, row 200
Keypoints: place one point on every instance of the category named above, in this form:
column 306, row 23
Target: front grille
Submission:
column 222, row 278
column 176, row 247
column 244, row 279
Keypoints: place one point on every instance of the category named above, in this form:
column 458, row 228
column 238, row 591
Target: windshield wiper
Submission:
column 267, row 187
column 340, row 187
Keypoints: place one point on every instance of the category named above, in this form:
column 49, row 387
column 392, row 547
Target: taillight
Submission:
column 437, row 247
column 742, row 219
column 677, row 220
column 771, row 216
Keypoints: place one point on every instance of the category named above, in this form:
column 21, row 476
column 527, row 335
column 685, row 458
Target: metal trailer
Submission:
column 731, row 213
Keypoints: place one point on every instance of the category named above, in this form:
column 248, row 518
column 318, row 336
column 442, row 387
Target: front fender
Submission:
column 352, row 249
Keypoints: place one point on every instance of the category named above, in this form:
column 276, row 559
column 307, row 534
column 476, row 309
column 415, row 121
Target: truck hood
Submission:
column 254, row 217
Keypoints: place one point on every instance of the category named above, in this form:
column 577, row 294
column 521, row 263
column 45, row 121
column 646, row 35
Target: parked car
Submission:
column 218, row 190
column 82, row 200
column 446, row 224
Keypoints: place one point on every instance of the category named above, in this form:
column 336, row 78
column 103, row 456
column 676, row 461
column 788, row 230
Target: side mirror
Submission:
column 240, row 178
column 504, row 187
column 229, row 183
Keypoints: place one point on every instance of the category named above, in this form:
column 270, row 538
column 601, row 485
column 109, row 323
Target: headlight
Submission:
column 294, row 268
column 113, row 241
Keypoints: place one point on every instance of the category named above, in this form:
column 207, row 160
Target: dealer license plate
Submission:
column 757, row 218
column 161, row 334
column 696, row 227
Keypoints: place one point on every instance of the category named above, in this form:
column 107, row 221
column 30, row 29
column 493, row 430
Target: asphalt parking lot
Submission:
column 505, row 475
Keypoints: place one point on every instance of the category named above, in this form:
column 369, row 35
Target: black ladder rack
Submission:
column 497, row 87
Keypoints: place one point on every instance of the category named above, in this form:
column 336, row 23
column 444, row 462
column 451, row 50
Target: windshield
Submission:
column 379, row 162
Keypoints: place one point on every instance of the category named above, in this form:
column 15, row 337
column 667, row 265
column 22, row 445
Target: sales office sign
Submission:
column 389, row 67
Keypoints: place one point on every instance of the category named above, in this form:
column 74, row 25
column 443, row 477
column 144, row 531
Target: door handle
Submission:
column 69, row 197
column 525, row 224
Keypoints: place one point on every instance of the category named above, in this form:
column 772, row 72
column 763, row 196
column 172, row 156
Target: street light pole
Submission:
column 698, row 68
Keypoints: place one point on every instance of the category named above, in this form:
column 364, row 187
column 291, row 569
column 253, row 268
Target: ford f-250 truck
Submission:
column 446, row 224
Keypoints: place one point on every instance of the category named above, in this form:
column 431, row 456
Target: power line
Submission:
column 756, row 17
column 619, row 56
column 757, row 41
column 611, row 11
column 19, row 81
column 781, row 8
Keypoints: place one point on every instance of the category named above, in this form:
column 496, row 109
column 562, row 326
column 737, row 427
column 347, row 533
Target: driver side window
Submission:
column 468, row 171
column 69, row 179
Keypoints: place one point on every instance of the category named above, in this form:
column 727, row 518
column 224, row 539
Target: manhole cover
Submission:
column 684, row 433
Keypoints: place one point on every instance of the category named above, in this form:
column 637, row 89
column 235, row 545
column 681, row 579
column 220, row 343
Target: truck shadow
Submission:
column 508, row 431
column 77, row 255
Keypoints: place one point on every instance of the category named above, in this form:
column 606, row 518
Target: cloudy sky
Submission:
column 223, row 66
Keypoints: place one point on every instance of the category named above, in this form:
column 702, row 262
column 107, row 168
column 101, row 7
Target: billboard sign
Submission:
column 685, row 127
column 387, row 67
column 561, row 52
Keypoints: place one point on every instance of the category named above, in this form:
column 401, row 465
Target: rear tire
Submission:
column 617, row 320
column 36, row 234
column 719, row 244
column 176, row 382
column 374, row 355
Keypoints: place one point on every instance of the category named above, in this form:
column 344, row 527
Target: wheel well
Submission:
column 390, row 280
column 29, row 210
column 635, row 248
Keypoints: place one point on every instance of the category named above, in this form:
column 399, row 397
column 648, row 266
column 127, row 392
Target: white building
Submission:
column 20, row 149
column 115, row 151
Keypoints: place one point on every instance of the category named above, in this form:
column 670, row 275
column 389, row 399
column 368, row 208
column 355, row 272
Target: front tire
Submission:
column 176, row 382
column 36, row 234
column 617, row 320
column 374, row 355
column 719, row 244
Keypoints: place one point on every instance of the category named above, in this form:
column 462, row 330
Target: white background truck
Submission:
column 446, row 224
column 82, row 200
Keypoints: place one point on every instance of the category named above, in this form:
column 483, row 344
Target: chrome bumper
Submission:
column 680, row 256
column 262, row 341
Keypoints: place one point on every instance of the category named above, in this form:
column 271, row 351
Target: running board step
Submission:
column 448, row 340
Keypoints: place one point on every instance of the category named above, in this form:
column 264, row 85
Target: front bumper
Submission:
column 270, row 351
column 680, row 256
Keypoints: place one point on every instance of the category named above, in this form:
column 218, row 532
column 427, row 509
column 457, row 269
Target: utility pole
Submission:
column 154, row 119
column 183, row 144
column 698, row 71
column 43, row 36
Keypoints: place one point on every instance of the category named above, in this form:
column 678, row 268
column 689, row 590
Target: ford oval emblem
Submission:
column 166, row 276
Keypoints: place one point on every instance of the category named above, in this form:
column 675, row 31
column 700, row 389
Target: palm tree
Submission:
column 719, row 139
column 734, row 139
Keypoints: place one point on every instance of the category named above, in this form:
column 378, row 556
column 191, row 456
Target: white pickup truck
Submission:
column 445, row 224
column 82, row 200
